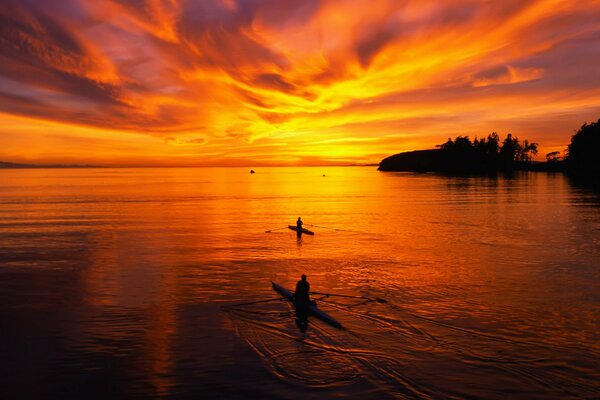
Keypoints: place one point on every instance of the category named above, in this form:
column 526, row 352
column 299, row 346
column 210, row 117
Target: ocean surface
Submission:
column 147, row 283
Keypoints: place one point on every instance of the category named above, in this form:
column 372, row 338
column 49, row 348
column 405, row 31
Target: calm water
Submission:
column 156, row 282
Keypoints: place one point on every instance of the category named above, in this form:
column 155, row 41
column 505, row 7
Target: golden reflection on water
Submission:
column 459, row 260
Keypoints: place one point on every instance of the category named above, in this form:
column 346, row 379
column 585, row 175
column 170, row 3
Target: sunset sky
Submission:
column 250, row 82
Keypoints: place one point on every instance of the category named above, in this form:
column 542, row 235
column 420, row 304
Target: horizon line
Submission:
column 80, row 166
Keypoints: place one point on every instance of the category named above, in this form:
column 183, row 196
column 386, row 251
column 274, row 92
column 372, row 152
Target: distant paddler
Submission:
column 299, row 229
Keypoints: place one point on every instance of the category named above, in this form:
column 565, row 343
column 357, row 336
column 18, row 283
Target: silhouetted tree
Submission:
column 553, row 156
column 446, row 146
column 583, row 153
column 493, row 141
column 485, row 154
column 510, row 150
column 527, row 151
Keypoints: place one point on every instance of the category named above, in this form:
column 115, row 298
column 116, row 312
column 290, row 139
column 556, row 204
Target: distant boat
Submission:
column 303, row 230
column 251, row 171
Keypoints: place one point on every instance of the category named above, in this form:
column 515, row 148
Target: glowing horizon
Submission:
column 226, row 82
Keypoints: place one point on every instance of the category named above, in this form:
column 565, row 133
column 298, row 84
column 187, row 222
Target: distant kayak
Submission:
column 304, row 230
column 313, row 309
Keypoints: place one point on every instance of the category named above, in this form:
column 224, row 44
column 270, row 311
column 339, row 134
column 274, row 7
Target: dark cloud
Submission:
column 493, row 73
column 21, row 105
column 49, row 58
column 369, row 47
column 227, row 45
column 30, row 107
column 182, row 142
column 273, row 81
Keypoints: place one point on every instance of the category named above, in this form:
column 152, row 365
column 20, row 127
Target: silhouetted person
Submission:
column 302, row 298
column 299, row 224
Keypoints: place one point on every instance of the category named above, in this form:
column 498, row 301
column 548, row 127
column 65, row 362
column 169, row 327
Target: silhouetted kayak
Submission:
column 304, row 230
column 313, row 309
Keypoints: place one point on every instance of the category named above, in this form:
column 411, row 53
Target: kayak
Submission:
column 304, row 230
column 313, row 309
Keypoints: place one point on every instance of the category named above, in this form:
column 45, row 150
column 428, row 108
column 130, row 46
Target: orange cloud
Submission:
column 283, row 82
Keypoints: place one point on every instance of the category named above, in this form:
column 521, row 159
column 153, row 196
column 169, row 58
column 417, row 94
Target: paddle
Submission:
column 335, row 229
column 271, row 230
column 249, row 303
column 377, row 299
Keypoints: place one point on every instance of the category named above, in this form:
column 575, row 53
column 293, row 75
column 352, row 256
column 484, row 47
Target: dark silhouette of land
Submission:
column 9, row 165
column 491, row 155
column 462, row 155
column 583, row 158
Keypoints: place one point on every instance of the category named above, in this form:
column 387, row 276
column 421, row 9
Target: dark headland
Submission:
column 10, row 165
column 492, row 154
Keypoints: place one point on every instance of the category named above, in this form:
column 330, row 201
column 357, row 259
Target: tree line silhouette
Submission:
column 583, row 153
column 487, row 154
column 491, row 154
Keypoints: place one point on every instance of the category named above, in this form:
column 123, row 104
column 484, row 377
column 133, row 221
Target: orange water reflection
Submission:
column 148, row 262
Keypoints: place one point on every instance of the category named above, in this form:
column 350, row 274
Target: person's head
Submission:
column 298, row 218
column 303, row 277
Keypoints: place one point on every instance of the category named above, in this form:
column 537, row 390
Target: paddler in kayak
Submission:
column 299, row 225
column 302, row 298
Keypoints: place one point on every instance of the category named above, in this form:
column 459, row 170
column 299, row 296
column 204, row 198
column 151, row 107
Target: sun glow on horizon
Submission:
column 175, row 82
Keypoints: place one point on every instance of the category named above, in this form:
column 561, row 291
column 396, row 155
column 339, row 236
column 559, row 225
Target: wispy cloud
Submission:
column 230, row 75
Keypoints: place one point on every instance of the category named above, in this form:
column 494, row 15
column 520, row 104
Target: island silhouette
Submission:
column 11, row 165
column 490, row 155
